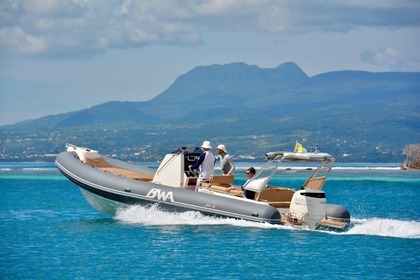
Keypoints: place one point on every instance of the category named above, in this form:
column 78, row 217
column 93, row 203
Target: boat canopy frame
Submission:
column 274, row 159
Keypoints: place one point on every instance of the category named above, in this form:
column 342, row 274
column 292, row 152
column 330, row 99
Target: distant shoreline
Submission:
column 240, row 166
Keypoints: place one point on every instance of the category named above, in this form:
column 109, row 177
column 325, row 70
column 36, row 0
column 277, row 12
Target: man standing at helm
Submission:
column 226, row 162
column 205, row 164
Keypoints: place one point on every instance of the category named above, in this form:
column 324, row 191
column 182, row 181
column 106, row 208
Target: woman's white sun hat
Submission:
column 222, row 147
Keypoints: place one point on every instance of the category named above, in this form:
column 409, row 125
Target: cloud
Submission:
column 85, row 27
column 391, row 59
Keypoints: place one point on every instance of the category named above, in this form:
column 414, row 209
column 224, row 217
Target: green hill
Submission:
column 357, row 116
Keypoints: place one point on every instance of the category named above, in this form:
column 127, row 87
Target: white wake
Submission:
column 385, row 227
column 152, row 216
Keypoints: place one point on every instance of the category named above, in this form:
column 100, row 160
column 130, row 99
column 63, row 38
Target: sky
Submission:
column 60, row 56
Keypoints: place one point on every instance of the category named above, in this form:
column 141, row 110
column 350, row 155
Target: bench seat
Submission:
column 280, row 204
column 219, row 181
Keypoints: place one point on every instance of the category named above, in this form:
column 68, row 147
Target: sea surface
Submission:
column 49, row 231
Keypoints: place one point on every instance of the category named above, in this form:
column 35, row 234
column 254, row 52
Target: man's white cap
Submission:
column 222, row 147
column 206, row 145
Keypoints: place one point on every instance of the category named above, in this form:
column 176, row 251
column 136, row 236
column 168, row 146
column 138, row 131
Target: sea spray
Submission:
column 152, row 216
column 386, row 227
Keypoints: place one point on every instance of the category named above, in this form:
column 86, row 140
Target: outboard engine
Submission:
column 307, row 207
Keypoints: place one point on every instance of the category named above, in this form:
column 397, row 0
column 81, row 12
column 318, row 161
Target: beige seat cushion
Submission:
column 128, row 173
column 97, row 162
column 221, row 179
column 219, row 183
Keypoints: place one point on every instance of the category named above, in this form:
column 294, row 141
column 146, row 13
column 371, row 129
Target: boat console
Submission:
column 173, row 170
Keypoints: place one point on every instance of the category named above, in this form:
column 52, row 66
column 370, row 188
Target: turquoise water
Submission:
column 50, row 232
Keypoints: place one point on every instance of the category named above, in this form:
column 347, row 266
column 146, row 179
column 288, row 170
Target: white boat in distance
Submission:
column 109, row 184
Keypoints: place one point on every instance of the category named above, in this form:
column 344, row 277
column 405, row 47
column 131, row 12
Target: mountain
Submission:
column 350, row 112
column 236, row 80
column 238, row 86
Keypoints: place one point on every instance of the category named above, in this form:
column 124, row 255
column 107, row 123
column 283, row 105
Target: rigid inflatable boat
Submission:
column 109, row 184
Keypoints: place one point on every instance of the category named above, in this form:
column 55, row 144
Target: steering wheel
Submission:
column 194, row 172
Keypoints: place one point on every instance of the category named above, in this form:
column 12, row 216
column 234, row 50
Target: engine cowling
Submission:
column 307, row 207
